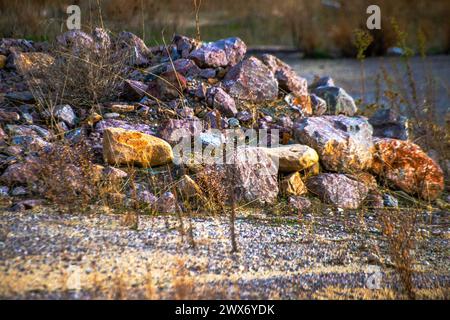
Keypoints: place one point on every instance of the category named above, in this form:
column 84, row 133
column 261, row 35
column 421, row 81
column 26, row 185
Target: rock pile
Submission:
column 188, row 88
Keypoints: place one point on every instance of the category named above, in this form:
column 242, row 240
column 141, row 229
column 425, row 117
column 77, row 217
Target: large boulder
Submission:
column 222, row 53
column 251, row 80
column 404, row 165
column 124, row 147
column 292, row 158
column 344, row 144
column 338, row 190
column 387, row 123
column 251, row 176
column 287, row 78
column 338, row 100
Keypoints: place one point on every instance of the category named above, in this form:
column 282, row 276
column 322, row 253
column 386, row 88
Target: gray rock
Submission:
column 20, row 97
column 222, row 53
column 390, row 201
column 338, row 190
column 19, row 191
column 4, row 191
column 251, row 175
column 251, row 80
column 387, row 123
column 322, row 82
column 65, row 113
column 301, row 204
column 344, row 144
column 338, row 100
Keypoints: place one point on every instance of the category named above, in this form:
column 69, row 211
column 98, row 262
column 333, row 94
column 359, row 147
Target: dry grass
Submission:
column 315, row 28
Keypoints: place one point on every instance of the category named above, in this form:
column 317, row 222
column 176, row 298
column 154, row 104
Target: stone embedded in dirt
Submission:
column 189, row 188
column 301, row 204
column 387, row 123
column 25, row 172
column 124, row 147
column 31, row 143
column 135, row 47
column 292, row 158
column 338, row 190
column 251, row 80
column 293, row 185
column 390, row 201
column 404, row 165
column 27, row 205
column 344, row 144
column 338, row 100
column 4, row 191
column 114, row 123
column 288, row 80
column 133, row 90
column 319, row 106
column 218, row 99
column 252, row 175
column 222, row 53
column 122, row 108
column 166, row 203
column 65, row 113
column 173, row 130
column 9, row 116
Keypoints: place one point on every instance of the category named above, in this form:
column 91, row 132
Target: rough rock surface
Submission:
column 344, row 144
column 173, row 130
column 139, row 52
column 404, row 165
column 287, row 78
column 222, row 53
column 123, row 147
column 293, row 185
column 292, row 158
column 251, row 80
column 252, row 176
column 217, row 98
column 338, row 190
column 338, row 100
column 387, row 123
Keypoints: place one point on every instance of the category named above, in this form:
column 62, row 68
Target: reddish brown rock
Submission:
column 338, row 190
column 168, row 86
column 287, row 78
column 292, row 185
column 404, row 165
column 251, row 80
column 222, row 53
column 344, row 144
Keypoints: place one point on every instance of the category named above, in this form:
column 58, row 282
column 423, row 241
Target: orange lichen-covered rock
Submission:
column 126, row 147
column 32, row 62
column 404, row 165
column 293, row 185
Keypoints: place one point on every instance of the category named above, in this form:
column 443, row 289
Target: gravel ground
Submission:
column 49, row 255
